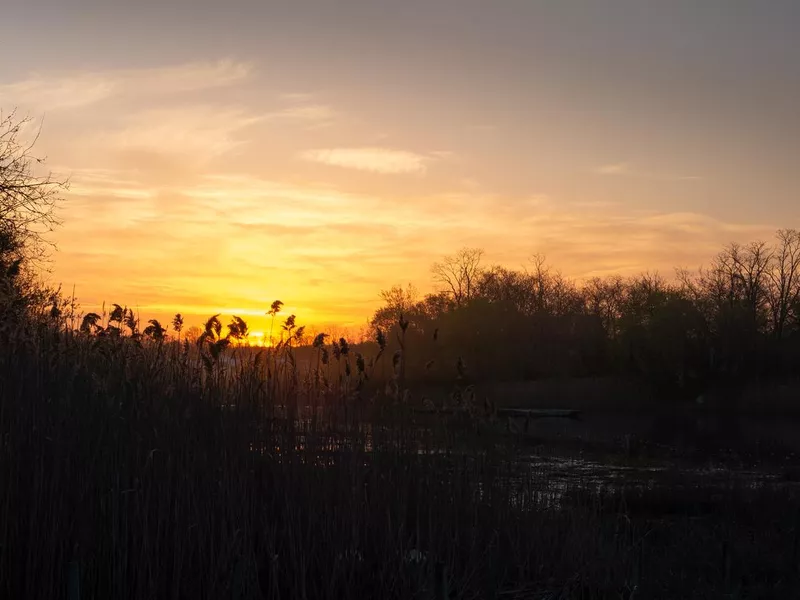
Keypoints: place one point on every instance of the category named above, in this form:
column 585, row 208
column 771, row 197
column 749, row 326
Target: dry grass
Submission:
column 145, row 469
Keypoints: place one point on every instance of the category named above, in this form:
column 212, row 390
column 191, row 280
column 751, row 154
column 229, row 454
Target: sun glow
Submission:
column 244, row 183
column 257, row 338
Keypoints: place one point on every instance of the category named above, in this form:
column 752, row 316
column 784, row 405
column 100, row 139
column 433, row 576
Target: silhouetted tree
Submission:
column 193, row 333
column 27, row 214
column 783, row 287
column 459, row 273
column 735, row 319
column 397, row 301
column 604, row 298
column 433, row 306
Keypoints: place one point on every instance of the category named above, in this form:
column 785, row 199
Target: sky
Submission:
column 226, row 154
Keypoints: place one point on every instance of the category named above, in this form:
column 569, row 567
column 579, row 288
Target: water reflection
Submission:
column 539, row 473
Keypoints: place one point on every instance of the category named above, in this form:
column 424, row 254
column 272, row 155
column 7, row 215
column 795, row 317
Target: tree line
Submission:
column 735, row 320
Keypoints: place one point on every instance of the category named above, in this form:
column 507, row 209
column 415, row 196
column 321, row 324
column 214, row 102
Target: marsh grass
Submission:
column 135, row 467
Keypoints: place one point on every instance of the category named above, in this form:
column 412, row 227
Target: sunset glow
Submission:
column 217, row 165
column 396, row 299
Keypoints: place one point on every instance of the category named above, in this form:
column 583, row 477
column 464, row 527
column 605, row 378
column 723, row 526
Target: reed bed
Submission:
column 143, row 468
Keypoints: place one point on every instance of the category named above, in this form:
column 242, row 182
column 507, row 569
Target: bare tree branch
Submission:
column 783, row 289
column 28, row 198
column 459, row 274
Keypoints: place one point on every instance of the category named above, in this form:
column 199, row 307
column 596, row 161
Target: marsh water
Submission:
column 676, row 450
column 696, row 458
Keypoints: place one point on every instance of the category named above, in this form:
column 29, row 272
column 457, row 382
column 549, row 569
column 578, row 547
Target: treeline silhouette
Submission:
column 735, row 321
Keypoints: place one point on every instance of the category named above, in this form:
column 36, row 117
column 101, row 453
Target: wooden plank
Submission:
column 519, row 413
column 538, row 413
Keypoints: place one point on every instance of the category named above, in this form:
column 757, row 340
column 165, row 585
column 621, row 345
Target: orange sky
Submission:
column 318, row 156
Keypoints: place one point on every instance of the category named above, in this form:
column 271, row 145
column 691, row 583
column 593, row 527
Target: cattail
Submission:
column 237, row 329
column 488, row 407
column 381, row 339
column 154, row 330
column 130, row 320
column 396, row 359
column 213, row 326
column 90, row 323
column 117, row 314
column 469, row 397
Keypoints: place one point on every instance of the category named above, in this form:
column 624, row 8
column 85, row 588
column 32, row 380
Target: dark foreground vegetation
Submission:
column 135, row 464
column 133, row 469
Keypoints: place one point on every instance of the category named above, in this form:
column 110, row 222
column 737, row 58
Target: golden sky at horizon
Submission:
column 223, row 159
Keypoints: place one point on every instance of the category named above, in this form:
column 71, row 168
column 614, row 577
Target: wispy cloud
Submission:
column 105, row 183
column 198, row 244
column 311, row 114
column 628, row 170
column 613, row 169
column 189, row 77
column 376, row 160
column 199, row 131
column 53, row 91
column 59, row 92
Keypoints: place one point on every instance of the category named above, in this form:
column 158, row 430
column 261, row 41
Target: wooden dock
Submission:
column 511, row 413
